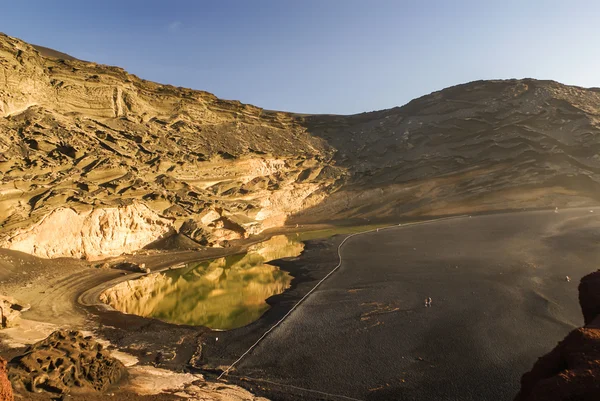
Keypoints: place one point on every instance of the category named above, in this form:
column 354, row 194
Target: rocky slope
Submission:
column 480, row 146
column 84, row 145
column 571, row 371
column 95, row 161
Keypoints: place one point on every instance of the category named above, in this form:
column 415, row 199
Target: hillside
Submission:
column 484, row 145
column 95, row 161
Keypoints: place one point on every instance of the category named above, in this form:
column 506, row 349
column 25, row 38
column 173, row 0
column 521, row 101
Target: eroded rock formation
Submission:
column 91, row 149
column 64, row 361
column 571, row 371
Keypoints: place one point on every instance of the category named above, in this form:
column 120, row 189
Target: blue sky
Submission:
column 325, row 56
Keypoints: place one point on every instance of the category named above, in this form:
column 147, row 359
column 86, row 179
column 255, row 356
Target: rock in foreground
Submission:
column 64, row 361
column 5, row 387
column 10, row 312
column 571, row 371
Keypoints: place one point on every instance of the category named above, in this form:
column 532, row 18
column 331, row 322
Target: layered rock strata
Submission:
column 95, row 162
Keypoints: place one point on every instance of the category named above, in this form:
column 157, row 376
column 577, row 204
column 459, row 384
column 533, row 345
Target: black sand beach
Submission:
column 500, row 300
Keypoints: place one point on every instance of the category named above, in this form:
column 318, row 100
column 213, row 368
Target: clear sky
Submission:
column 321, row 56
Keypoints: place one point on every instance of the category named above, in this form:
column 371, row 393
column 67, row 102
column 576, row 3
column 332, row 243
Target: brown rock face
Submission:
column 571, row 371
column 95, row 162
column 64, row 361
column 6, row 393
column 589, row 296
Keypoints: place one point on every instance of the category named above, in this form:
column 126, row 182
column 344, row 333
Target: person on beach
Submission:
column 429, row 301
column 567, row 279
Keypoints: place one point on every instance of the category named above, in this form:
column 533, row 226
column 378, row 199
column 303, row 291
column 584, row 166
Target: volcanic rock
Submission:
column 589, row 296
column 6, row 393
column 571, row 371
column 64, row 361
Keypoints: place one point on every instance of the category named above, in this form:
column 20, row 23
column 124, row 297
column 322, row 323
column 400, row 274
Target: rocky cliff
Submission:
column 571, row 371
column 77, row 138
column 95, row 161
column 91, row 233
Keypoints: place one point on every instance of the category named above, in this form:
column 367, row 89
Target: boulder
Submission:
column 589, row 296
column 207, row 216
column 218, row 233
column 64, row 361
column 10, row 312
column 571, row 371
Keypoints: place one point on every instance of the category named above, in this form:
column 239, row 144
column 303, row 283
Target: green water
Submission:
column 331, row 231
column 225, row 293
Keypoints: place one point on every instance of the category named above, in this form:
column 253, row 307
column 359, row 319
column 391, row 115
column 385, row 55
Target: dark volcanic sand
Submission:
column 500, row 300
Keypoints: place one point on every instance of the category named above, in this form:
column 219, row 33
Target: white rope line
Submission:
column 319, row 283
column 290, row 311
column 298, row 388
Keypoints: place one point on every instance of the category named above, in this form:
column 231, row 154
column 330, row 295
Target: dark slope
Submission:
column 477, row 146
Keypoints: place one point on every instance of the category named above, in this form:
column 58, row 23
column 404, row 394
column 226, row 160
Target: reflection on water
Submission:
column 223, row 294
